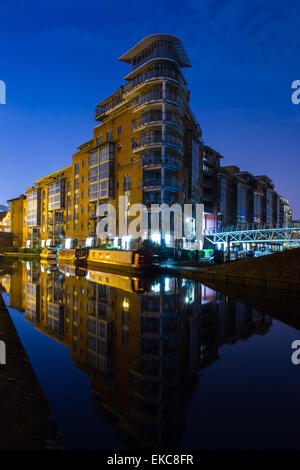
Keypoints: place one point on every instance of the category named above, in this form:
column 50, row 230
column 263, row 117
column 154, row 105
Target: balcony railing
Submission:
column 156, row 118
column 151, row 141
column 147, row 98
column 171, row 184
column 170, row 162
column 151, row 74
column 120, row 97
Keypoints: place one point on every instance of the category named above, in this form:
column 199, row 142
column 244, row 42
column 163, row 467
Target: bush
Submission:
column 25, row 250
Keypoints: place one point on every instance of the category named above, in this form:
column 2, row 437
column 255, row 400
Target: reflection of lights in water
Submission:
column 88, row 276
column 168, row 238
column 167, row 284
column 190, row 297
column 42, row 268
column 155, row 287
column 125, row 303
column 28, row 265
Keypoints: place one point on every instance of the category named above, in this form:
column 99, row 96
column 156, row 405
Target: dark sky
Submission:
column 59, row 59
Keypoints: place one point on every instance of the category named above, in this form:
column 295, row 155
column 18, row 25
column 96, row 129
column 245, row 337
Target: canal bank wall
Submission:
column 278, row 271
column 26, row 421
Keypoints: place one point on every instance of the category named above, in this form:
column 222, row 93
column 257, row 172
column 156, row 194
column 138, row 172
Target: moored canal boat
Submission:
column 73, row 256
column 49, row 253
column 139, row 259
column 113, row 259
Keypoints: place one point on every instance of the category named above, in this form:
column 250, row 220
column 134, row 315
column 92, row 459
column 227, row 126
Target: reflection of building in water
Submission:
column 142, row 345
column 5, row 283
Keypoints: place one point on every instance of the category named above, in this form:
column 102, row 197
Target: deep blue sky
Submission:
column 59, row 59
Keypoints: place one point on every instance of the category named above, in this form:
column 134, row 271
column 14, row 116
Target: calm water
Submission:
column 130, row 363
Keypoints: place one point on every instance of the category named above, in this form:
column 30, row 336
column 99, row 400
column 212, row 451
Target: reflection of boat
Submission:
column 49, row 253
column 72, row 270
column 48, row 264
column 125, row 283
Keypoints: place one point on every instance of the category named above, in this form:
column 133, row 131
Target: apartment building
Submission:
column 146, row 146
column 210, row 165
column 285, row 212
column 245, row 199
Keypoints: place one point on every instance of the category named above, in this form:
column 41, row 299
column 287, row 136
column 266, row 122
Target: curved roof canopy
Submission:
column 182, row 56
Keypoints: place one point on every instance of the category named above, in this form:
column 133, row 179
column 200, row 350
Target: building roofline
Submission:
column 213, row 150
column 16, row 198
column 183, row 59
column 53, row 174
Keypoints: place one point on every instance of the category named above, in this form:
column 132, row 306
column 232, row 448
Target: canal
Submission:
column 148, row 363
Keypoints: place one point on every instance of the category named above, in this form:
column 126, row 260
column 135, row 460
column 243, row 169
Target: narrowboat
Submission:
column 75, row 255
column 119, row 259
column 123, row 259
column 49, row 253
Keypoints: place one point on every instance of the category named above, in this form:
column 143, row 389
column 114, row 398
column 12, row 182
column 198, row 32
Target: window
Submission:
column 109, row 136
column 126, row 183
column 82, row 194
column 119, row 130
column 55, row 196
column 76, row 168
column 83, row 179
column 99, row 140
column 133, row 144
column 119, row 148
column 82, row 210
column 83, row 163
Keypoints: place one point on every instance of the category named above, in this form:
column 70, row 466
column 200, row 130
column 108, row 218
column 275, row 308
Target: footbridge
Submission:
column 280, row 235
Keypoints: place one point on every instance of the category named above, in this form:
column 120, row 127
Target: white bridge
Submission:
column 290, row 235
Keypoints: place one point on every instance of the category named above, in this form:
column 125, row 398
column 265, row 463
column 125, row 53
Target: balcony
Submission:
column 114, row 103
column 170, row 184
column 147, row 142
column 170, row 140
column 168, row 162
column 156, row 118
column 151, row 75
column 143, row 100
